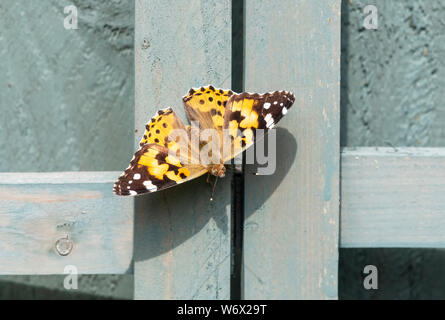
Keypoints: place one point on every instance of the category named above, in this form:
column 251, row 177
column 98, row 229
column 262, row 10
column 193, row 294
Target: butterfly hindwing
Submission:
column 247, row 112
column 163, row 130
column 207, row 106
column 153, row 169
column 158, row 129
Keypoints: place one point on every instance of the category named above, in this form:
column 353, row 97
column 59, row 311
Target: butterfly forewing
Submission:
column 249, row 116
column 165, row 158
column 152, row 169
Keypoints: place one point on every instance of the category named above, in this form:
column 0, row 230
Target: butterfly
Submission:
column 171, row 152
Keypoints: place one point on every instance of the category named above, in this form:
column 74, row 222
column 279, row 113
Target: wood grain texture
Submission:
column 182, row 241
column 35, row 214
column 66, row 101
column 58, row 177
column 291, row 228
column 393, row 198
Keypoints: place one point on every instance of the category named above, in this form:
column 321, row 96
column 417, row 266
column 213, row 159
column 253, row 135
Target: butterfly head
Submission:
column 218, row 170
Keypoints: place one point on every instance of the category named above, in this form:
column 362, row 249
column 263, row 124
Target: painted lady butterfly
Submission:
column 165, row 160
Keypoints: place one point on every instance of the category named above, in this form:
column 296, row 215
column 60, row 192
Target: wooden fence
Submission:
column 176, row 242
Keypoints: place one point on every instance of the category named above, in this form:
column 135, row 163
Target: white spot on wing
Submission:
column 267, row 105
column 133, row 193
column 269, row 121
column 284, row 111
column 136, row 176
column 150, row 186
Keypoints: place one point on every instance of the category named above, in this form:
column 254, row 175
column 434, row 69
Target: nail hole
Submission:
column 146, row 44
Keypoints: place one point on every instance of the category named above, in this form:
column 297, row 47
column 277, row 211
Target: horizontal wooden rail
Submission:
column 70, row 177
column 389, row 198
column 38, row 209
column 393, row 197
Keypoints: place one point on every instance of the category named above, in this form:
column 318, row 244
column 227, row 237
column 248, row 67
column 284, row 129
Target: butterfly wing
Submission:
column 163, row 160
column 207, row 105
column 153, row 169
column 247, row 112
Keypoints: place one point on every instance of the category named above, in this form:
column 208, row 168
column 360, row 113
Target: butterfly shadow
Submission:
column 258, row 188
column 167, row 219
column 184, row 215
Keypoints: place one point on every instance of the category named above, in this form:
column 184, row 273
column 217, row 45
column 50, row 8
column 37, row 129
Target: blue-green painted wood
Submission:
column 182, row 240
column 66, row 96
column 410, row 46
column 37, row 209
column 291, row 227
column 393, row 198
column 66, row 101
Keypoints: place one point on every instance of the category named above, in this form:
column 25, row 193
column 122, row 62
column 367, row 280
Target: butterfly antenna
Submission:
column 213, row 188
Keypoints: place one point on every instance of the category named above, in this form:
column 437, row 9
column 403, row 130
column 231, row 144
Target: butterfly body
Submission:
column 218, row 170
column 223, row 125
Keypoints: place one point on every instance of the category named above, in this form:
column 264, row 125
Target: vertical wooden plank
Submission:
column 182, row 240
column 291, row 227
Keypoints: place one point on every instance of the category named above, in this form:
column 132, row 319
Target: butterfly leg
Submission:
column 213, row 188
column 212, row 185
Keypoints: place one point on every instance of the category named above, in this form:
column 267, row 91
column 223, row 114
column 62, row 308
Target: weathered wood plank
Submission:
column 182, row 241
column 37, row 209
column 291, row 227
column 393, row 197
column 69, row 177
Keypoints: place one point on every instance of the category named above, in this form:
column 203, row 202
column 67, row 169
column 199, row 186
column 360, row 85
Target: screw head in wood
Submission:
column 64, row 246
